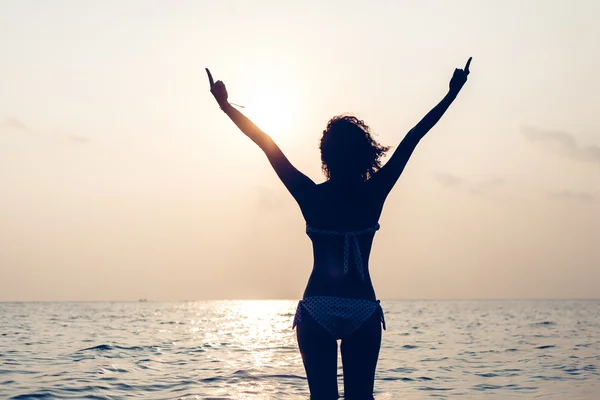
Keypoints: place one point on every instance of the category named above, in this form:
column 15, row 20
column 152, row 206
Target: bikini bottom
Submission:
column 338, row 315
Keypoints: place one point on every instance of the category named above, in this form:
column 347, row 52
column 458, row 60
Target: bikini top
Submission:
column 349, row 236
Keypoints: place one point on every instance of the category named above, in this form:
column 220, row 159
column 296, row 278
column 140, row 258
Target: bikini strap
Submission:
column 349, row 237
column 382, row 316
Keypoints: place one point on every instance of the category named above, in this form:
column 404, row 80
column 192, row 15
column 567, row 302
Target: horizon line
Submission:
column 145, row 300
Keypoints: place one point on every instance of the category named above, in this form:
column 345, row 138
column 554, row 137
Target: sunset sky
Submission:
column 120, row 178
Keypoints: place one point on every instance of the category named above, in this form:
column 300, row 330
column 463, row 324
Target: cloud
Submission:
column 269, row 199
column 449, row 180
column 15, row 123
column 484, row 186
column 456, row 182
column 565, row 142
column 583, row 197
column 79, row 139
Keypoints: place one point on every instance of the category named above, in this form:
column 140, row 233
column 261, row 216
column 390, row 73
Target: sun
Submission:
column 273, row 109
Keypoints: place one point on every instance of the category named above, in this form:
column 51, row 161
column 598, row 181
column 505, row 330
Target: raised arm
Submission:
column 298, row 184
column 386, row 177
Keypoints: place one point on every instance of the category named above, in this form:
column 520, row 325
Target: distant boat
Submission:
column 143, row 300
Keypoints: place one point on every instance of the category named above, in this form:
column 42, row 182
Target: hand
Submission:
column 459, row 78
column 218, row 90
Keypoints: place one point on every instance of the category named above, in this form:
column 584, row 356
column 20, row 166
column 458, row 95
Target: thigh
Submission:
column 360, row 352
column 319, row 354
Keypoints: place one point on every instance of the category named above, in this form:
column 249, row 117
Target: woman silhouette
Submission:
column 341, row 217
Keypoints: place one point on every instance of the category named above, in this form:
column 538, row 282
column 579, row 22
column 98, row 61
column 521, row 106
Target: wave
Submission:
column 109, row 347
column 543, row 323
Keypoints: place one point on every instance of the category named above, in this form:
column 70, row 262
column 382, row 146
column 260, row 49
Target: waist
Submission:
column 345, row 287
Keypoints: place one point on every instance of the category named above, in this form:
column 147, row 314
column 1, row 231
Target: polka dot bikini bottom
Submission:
column 338, row 315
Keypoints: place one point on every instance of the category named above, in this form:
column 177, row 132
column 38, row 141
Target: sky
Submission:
column 121, row 179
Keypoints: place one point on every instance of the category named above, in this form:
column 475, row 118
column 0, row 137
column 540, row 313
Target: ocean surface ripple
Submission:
column 247, row 350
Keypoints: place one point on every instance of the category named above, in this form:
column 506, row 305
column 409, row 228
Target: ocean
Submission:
column 247, row 350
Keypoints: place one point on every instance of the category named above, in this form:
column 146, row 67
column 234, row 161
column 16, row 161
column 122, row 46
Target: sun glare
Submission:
column 273, row 108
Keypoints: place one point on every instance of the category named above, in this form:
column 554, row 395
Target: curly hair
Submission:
column 348, row 148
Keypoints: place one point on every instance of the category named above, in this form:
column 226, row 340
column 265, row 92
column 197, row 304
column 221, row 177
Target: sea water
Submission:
column 247, row 350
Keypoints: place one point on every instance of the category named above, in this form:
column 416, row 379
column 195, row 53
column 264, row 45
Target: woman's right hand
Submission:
column 459, row 78
column 218, row 90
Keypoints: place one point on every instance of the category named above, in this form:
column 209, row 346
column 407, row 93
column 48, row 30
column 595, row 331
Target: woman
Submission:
column 341, row 216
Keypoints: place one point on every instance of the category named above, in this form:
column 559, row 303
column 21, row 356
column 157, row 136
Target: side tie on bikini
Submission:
column 349, row 237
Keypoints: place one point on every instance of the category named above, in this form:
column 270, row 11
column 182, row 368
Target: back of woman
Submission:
column 341, row 223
